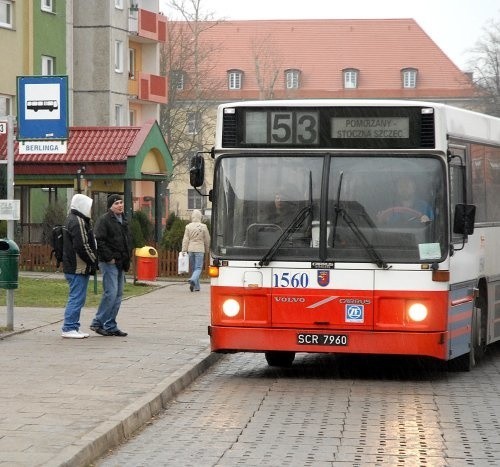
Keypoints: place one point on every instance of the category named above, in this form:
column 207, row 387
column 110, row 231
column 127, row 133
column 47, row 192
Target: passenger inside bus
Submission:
column 277, row 217
column 284, row 209
column 408, row 206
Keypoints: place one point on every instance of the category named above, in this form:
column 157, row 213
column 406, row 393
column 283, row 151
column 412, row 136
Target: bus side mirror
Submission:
column 464, row 218
column 196, row 171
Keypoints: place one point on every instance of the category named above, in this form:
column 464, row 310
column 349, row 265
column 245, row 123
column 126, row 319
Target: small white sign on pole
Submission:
column 43, row 147
column 10, row 209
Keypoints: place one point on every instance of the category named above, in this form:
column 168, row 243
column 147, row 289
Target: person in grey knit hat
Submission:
column 114, row 250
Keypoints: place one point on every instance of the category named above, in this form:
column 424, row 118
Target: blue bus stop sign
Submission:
column 42, row 107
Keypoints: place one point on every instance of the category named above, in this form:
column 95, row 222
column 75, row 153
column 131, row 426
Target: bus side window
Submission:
column 456, row 195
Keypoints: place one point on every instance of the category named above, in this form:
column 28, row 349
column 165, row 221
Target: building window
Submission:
column 6, row 8
column 119, row 56
column 47, row 5
column 193, row 123
column 131, row 63
column 118, row 115
column 5, row 105
column 409, row 77
column 177, row 80
column 195, row 200
column 48, row 65
column 132, row 118
column 234, row 79
column 292, row 79
column 350, row 78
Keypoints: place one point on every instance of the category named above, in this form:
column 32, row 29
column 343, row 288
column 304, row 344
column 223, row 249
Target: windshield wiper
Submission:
column 339, row 210
column 294, row 224
column 370, row 249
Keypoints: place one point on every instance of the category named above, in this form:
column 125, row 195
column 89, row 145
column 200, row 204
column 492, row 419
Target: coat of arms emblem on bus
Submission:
column 323, row 278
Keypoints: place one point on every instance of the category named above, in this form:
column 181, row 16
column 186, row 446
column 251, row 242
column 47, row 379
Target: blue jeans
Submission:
column 113, row 281
column 76, row 299
column 196, row 266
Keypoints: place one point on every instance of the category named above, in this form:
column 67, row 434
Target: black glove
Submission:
column 91, row 269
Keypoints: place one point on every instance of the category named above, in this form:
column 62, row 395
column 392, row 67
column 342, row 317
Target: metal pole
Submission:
column 10, row 223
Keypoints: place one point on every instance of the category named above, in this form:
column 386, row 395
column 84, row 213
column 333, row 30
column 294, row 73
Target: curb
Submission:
column 125, row 423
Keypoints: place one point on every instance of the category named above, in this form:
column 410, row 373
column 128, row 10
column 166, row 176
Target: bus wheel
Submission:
column 283, row 359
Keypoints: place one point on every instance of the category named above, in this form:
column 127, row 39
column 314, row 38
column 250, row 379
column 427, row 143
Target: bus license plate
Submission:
column 321, row 339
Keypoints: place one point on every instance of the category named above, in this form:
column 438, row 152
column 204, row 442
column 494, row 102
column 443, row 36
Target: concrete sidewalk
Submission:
column 65, row 402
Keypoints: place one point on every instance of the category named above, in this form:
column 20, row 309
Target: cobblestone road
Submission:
column 327, row 412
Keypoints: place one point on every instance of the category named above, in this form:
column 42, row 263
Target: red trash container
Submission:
column 146, row 263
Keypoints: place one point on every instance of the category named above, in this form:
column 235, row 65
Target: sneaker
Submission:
column 74, row 334
column 84, row 334
column 191, row 285
column 94, row 328
column 118, row 333
column 102, row 332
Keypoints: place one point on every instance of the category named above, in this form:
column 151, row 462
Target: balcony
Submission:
column 147, row 26
column 148, row 87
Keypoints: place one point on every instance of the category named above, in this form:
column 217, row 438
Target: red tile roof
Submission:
column 106, row 149
column 321, row 49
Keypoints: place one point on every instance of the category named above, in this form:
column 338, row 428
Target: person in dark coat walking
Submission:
column 114, row 251
column 79, row 262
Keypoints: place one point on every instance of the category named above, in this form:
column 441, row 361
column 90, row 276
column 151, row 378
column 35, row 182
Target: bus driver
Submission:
column 409, row 207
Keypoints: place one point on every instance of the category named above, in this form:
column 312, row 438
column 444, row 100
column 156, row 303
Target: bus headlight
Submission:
column 417, row 312
column 231, row 308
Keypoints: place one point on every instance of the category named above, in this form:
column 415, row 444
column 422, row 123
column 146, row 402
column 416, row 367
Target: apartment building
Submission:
column 110, row 53
column 116, row 63
column 32, row 42
column 116, row 60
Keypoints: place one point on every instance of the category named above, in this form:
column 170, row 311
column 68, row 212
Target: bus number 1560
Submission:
column 296, row 281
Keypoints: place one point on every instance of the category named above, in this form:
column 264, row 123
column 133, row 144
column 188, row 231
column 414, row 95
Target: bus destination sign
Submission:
column 363, row 127
column 323, row 127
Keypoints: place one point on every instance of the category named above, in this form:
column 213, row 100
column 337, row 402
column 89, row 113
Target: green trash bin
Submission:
column 9, row 264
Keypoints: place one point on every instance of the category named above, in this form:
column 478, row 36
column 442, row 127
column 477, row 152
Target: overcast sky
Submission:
column 454, row 25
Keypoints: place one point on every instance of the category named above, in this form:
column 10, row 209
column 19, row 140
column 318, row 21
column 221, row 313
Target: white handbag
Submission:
column 183, row 263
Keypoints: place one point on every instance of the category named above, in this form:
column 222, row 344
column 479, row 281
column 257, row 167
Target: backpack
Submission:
column 57, row 243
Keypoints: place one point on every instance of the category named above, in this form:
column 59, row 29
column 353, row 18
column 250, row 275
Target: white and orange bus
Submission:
column 316, row 246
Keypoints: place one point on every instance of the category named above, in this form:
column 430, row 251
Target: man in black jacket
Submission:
column 114, row 251
column 79, row 262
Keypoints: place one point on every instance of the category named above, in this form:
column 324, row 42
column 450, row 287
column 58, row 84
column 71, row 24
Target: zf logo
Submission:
column 354, row 313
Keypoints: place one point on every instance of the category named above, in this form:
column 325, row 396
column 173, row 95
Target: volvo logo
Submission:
column 290, row 299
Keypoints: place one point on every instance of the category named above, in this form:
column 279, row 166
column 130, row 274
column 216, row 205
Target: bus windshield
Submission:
column 351, row 208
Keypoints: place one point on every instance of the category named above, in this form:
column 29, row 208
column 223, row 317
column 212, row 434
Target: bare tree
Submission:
column 267, row 65
column 186, row 119
column 485, row 65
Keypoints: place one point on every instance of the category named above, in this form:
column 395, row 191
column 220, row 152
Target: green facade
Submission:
column 49, row 36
